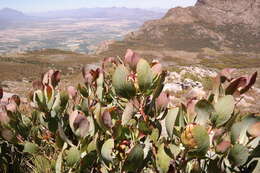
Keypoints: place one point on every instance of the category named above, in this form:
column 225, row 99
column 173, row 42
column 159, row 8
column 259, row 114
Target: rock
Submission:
column 199, row 72
column 197, row 93
column 172, row 88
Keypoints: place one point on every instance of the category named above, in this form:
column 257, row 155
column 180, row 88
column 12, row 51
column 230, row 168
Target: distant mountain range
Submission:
column 8, row 14
column 113, row 12
column 11, row 14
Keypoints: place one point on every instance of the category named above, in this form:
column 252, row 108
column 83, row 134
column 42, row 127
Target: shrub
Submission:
column 120, row 121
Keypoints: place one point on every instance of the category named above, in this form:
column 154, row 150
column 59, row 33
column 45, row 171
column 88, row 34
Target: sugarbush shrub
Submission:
column 120, row 121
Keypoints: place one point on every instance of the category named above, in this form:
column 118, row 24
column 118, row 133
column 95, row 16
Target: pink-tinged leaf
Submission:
column 16, row 99
column 223, row 146
column 254, row 129
column 235, row 84
column 4, row 118
column 157, row 68
column 131, row 58
column 72, row 92
column 1, row 92
column 218, row 133
column 55, row 78
column 163, row 100
column 106, row 118
column 191, row 109
column 37, row 85
column 12, row 107
column 79, row 123
column 226, row 73
column 250, row 82
column 90, row 76
column 46, row 77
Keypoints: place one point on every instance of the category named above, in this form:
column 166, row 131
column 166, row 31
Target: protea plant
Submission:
column 119, row 120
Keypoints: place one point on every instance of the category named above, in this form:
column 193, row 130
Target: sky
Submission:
column 51, row 5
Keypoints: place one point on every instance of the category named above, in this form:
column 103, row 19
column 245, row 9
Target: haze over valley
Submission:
column 81, row 30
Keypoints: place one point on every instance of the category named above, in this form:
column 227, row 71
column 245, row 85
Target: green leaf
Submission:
column 73, row 156
column 134, row 159
column 58, row 164
column 128, row 113
column 100, row 87
column 204, row 110
column 30, row 148
column 239, row 130
column 107, row 149
column 238, row 154
column 224, row 109
column 170, row 120
column 49, row 95
column 122, row 85
column 57, row 103
column 255, row 166
column 201, row 137
column 144, row 75
column 39, row 99
column 162, row 160
column 83, row 90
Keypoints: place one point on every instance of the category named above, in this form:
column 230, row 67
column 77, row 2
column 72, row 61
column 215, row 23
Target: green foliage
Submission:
column 120, row 121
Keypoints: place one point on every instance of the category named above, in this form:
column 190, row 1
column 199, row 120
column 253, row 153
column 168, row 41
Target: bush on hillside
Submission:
column 120, row 121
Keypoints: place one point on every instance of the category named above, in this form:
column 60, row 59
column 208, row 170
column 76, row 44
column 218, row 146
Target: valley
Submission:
column 81, row 36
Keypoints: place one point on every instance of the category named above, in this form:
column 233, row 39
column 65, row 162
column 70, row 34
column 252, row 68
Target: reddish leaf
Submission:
column 223, row 146
column 250, row 82
column 79, row 123
column 16, row 99
column 55, row 78
column 49, row 91
column 235, row 84
column 1, row 92
column 106, row 118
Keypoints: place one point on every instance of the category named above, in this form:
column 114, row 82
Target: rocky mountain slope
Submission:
column 215, row 24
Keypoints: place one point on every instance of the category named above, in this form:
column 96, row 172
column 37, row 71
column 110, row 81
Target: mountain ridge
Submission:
column 215, row 24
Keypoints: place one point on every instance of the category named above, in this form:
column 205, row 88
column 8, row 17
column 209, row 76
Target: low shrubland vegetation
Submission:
column 119, row 120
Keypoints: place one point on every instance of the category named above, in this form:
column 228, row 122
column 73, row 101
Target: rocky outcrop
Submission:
column 210, row 23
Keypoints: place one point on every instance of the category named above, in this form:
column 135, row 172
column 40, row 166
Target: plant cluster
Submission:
column 120, row 121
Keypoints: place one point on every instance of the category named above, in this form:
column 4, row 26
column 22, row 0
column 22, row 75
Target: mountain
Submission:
column 112, row 13
column 215, row 24
column 11, row 14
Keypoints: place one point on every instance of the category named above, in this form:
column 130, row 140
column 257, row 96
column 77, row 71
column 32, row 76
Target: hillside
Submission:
column 216, row 24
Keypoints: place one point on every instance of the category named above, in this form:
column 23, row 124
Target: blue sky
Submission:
column 48, row 5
